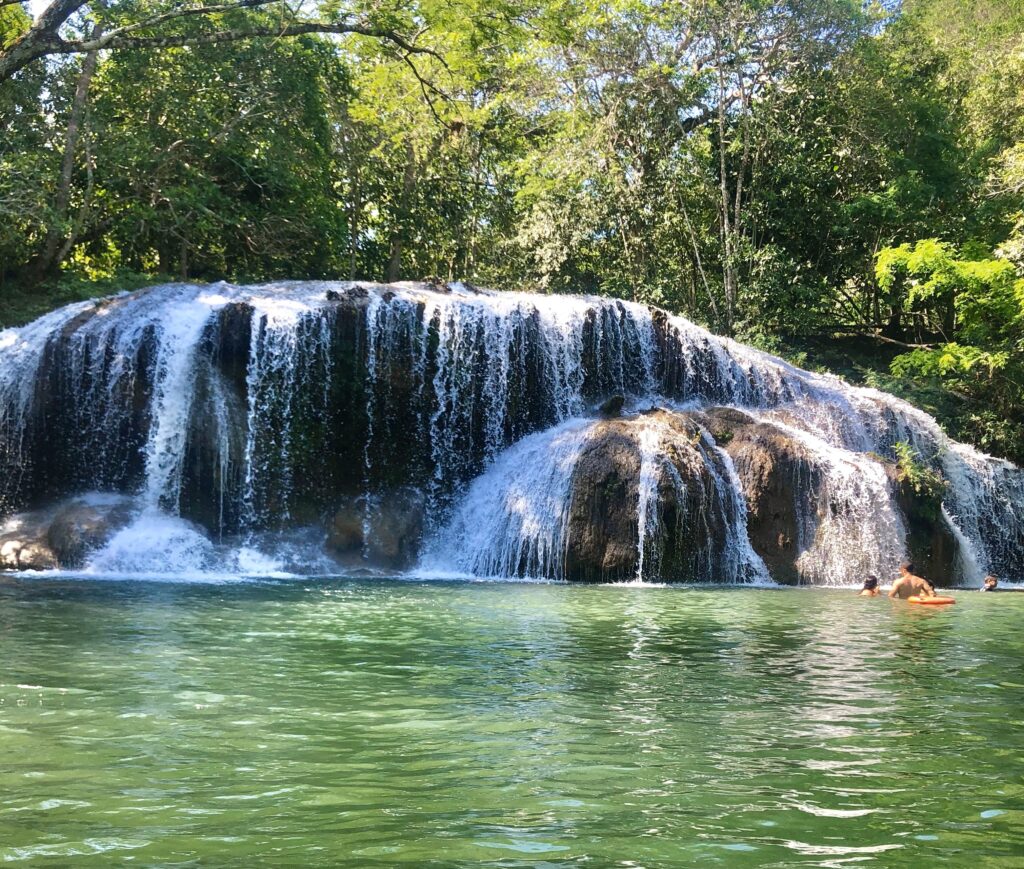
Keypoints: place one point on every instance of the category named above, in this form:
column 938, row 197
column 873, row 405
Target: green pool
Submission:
column 328, row 723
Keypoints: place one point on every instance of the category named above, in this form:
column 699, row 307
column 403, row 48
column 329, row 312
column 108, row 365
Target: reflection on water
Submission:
column 382, row 724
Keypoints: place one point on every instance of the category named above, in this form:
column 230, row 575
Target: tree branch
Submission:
column 879, row 337
column 43, row 38
column 188, row 11
column 126, row 40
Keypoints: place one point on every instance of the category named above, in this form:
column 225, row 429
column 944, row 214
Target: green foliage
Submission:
column 19, row 305
column 917, row 473
column 785, row 172
column 984, row 361
column 920, row 476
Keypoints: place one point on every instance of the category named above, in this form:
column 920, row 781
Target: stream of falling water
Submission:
column 179, row 327
column 514, row 520
column 648, row 441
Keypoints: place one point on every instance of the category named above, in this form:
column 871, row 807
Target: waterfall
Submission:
column 652, row 466
column 240, row 414
column 853, row 526
column 21, row 353
column 178, row 326
column 514, row 519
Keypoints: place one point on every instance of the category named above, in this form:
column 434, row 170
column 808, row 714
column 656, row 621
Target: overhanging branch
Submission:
column 43, row 38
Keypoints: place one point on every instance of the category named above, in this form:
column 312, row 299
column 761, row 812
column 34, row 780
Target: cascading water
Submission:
column 652, row 466
column 514, row 520
column 238, row 415
column 854, row 526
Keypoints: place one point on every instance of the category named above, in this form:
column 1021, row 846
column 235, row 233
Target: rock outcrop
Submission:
column 789, row 502
column 780, row 483
column 23, row 543
column 658, row 476
column 931, row 543
column 382, row 531
column 275, row 410
column 602, row 533
column 64, row 536
column 83, row 526
column 797, row 513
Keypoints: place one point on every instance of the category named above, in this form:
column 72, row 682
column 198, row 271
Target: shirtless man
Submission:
column 907, row 584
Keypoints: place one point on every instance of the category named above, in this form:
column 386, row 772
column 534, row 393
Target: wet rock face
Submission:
column 687, row 520
column 931, row 543
column 779, row 480
column 382, row 531
column 81, row 527
column 785, row 490
column 62, row 537
column 602, row 538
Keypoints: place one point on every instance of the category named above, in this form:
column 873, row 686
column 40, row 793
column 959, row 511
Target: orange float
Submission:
column 931, row 601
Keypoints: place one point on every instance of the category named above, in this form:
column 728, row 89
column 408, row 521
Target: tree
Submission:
column 976, row 308
column 162, row 25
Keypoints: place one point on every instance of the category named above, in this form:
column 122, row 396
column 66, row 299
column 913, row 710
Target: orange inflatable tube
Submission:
column 931, row 601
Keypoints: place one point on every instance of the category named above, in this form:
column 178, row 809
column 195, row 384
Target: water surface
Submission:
column 327, row 723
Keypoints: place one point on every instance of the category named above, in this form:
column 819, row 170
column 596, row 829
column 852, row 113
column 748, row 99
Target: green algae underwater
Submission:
column 401, row 723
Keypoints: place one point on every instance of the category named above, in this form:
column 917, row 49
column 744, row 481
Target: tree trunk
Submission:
column 58, row 240
column 183, row 261
column 728, row 260
column 894, row 326
column 394, row 272
column 353, row 225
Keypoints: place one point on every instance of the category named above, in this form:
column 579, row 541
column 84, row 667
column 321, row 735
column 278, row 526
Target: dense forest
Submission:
column 839, row 182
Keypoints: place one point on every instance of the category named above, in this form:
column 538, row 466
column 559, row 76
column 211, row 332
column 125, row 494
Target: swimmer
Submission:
column 990, row 584
column 908, row 585
column 870, row 586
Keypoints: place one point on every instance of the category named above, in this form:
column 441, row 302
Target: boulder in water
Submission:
column 612, row 407
column 650, row 497
column 63, row 536
column 383, row 530
column 602, row 528
column 803, row 503
column 23, row 543
column 776, row 471
column 86, row 525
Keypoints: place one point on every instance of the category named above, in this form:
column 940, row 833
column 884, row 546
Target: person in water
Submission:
column 990, row 583
column 870, row 586
column 908, row 585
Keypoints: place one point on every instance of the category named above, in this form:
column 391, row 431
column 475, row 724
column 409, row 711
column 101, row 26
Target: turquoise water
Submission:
column 476, row 724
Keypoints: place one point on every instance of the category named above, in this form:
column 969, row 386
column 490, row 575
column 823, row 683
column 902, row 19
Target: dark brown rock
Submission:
column 602, row 514
column 931, row 543
column 782, row 481
column 693, row 520
column 382, row 531
column 779, row 482
column 83, row 526
column 612, row 407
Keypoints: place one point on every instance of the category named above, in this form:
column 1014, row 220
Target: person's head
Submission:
column 907, row 567
column 871, row 583
column 991, row 581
